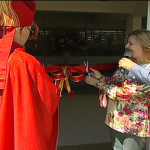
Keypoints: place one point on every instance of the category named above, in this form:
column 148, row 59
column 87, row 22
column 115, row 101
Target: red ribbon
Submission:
column 61, row 74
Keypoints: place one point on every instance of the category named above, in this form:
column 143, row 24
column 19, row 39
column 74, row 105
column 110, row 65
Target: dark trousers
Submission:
column 123, row 141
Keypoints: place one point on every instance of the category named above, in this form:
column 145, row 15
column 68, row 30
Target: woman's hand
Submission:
column 97, row 75
column 126, row 63
column 90, row 80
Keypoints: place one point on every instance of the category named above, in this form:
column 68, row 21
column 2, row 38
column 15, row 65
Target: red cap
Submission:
column 17, row 13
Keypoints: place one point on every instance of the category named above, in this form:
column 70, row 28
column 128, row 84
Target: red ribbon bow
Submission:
column 61, row 74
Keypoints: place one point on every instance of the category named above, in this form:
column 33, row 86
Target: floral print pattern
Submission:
column 128, row 104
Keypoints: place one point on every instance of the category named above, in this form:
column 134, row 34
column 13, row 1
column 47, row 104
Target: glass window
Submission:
column 96, row 42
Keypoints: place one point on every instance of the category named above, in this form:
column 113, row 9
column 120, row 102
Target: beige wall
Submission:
column 100, row 14
column 128, row 7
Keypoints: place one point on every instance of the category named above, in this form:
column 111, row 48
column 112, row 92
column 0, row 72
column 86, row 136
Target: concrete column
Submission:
column 133, row 23
column 137, row 23
column 148, row 16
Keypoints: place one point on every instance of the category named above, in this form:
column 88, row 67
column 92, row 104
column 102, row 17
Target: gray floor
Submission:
column 82, row 119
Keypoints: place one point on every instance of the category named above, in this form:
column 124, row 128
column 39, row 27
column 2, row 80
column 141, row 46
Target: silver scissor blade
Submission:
column 86, row 64
column 87, row 70
column 87, row 67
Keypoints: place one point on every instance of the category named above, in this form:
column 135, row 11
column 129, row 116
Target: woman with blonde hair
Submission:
column 135, row 70
column 127, row 100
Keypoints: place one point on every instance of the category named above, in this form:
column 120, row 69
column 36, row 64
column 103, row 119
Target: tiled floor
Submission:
column 99, row 146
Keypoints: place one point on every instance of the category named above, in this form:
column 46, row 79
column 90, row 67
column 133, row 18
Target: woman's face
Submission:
column 134, row 47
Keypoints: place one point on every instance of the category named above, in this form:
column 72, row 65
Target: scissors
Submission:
column 87, row 69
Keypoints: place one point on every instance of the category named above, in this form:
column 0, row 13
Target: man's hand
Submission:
column 126, row 63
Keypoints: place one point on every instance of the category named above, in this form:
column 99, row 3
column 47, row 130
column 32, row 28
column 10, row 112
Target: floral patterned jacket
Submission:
column 128, row 104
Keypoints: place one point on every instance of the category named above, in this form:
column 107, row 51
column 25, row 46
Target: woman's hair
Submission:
column 143, row 36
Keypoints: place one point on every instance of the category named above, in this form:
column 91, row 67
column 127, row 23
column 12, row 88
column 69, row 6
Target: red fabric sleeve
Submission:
column 29, row 106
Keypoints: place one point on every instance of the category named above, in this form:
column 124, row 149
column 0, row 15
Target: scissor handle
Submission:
column 87, row 74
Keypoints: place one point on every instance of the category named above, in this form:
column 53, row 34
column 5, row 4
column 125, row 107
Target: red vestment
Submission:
column 29, row 105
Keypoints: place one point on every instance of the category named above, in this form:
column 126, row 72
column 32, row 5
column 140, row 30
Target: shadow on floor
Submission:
column 98, row 146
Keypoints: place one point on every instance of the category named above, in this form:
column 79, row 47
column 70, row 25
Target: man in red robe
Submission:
column 29, row 99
